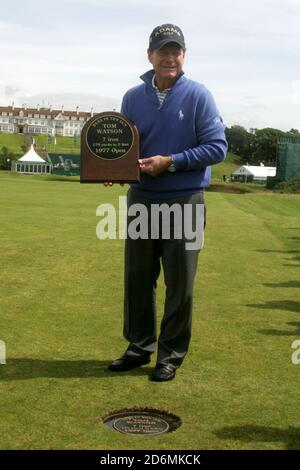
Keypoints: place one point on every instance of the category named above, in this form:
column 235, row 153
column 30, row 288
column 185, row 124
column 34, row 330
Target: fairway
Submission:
column 61, row 320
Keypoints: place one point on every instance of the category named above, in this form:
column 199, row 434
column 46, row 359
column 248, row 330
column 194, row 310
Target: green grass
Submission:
column 228, row 166
column 61, row 319
column 12, row 141
column 63, row 144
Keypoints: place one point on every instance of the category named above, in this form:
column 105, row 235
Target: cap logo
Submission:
column 167, row 31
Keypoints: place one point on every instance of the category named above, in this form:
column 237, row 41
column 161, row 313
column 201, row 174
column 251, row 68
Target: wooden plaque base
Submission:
column 109, row 150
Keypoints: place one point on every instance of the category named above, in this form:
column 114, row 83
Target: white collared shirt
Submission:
column 161, row 95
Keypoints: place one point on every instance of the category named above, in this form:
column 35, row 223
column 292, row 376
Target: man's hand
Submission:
column 110, row 183
column 155, row 165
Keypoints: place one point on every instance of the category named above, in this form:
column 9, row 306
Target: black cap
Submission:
column 164, row 34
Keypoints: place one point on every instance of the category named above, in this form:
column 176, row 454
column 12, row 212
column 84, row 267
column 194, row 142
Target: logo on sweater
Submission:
column 218, row 120
column 181, row 115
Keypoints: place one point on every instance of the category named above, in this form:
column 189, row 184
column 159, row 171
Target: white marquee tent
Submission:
column 31, row 162
column 253, row 173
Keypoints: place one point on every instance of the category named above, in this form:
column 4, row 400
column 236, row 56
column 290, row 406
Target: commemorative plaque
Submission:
column 109, row 149
column 147, row 421
column 141, row 424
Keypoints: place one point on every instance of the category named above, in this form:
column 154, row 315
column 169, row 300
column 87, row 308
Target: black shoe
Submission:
column 128, row 362
column 163, row 373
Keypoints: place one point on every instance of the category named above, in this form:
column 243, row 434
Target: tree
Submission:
column 24, row 148
column 264, row 149
column 237, row 137
column 6, row 158
column 240, row 141
column 258, row 145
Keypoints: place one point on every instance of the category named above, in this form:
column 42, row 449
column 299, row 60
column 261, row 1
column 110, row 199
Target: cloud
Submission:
column 85, row 101
column 10, row 91
column 92, row 49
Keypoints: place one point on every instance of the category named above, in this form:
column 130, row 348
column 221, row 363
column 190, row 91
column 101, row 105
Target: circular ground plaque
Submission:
column 142, row 421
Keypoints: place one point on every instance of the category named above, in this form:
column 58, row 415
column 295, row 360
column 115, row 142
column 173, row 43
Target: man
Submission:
column 181, row 136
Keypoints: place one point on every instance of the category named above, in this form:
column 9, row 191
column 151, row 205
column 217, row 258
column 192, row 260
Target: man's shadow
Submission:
column 288, row 305
column 29, row 368
column 289, row 436
column 295, row 332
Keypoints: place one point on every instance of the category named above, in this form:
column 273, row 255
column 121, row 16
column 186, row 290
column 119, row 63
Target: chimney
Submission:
column 13, row 105
column 92, row 112
column 62, row 109
column 38, row 107
column 50, row 108
column 77, row 107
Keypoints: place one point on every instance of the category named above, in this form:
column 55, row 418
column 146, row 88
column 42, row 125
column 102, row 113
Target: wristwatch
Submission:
column 172, row 167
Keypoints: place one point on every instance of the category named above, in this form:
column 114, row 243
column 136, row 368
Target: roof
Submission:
column 43, row 111
column 32, row 157
column 259, row 171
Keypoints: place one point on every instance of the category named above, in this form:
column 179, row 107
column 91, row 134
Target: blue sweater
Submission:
column 187, row 126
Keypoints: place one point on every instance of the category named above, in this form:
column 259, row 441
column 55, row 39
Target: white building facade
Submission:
column 42, row 121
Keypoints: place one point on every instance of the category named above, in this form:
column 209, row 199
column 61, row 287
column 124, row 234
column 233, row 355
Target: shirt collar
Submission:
column 156, row 88
column 148, row 77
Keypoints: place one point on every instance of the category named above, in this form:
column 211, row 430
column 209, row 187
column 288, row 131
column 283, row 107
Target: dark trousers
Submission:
column 143, row 260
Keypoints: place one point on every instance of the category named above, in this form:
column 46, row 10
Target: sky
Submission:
column 87, row 53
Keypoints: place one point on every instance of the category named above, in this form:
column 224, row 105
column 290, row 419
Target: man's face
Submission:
column 167, row 61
